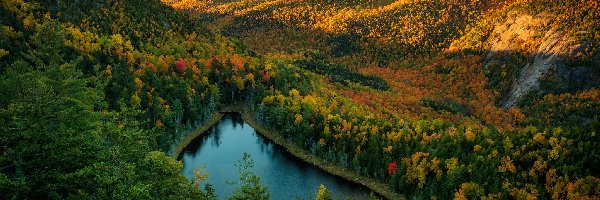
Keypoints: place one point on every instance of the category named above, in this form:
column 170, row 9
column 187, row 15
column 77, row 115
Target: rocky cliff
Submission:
column 554, row 60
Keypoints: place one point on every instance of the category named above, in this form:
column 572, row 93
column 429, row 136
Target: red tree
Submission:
column 392, row 168
column 180, row 65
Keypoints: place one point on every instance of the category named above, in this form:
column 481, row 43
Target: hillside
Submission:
column 400, row 28
column 401, row 34
column 511, row 65
column 429, row 99
column 76, row 118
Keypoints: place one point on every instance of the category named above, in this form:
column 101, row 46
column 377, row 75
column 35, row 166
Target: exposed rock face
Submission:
column 516, row 29
column 548, row 57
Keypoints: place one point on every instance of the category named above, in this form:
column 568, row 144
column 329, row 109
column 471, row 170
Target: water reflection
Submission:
column 286, row 176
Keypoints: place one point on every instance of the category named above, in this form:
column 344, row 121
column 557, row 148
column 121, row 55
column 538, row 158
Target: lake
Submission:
column 287, row 176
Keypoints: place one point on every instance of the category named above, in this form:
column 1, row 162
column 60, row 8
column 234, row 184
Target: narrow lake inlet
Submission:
column 287, row 176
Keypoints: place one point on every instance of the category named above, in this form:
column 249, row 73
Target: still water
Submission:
column 287, row 177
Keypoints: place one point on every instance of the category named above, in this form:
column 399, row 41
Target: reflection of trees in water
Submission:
column 216, row 132
column 236, row 119
column 264, row 145
column 193, row 147
column 276, row 163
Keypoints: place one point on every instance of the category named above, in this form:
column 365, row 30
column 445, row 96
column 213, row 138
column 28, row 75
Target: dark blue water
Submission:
column 287, row 177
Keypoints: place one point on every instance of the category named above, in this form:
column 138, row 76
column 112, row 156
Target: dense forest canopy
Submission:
column 411, row 94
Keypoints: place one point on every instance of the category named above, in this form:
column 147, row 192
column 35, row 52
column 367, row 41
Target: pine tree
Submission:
column 323, row 193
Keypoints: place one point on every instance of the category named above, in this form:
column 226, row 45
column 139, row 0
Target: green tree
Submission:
column 48, row 129
column 251, row 188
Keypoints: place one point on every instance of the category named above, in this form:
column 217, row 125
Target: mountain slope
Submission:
column 493, row 68
column 401, row 28
column 113, row 85
column 538, row 47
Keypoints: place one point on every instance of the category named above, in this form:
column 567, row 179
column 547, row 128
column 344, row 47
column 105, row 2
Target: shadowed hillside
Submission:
column 420, row 99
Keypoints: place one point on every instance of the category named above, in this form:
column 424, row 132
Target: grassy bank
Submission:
column 216, row 117
column 380, row 188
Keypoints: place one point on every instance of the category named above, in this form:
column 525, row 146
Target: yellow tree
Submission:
column 323, row 193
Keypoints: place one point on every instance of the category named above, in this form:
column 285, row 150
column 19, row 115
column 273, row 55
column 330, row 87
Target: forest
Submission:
column 414, row 94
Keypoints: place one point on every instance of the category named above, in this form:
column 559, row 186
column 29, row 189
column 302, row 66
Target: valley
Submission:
column 419, row 99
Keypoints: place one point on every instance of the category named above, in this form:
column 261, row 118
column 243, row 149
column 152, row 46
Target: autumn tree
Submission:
column 323, row 193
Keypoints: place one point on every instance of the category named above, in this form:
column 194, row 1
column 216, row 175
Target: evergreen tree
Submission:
column 250, row 186
column 323, row 193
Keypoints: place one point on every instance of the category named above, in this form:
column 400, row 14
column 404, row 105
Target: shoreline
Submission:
column 378, row 188
column 216, row 117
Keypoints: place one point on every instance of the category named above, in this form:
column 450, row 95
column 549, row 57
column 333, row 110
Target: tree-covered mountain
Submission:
column 428, row 99
column 73, row 125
